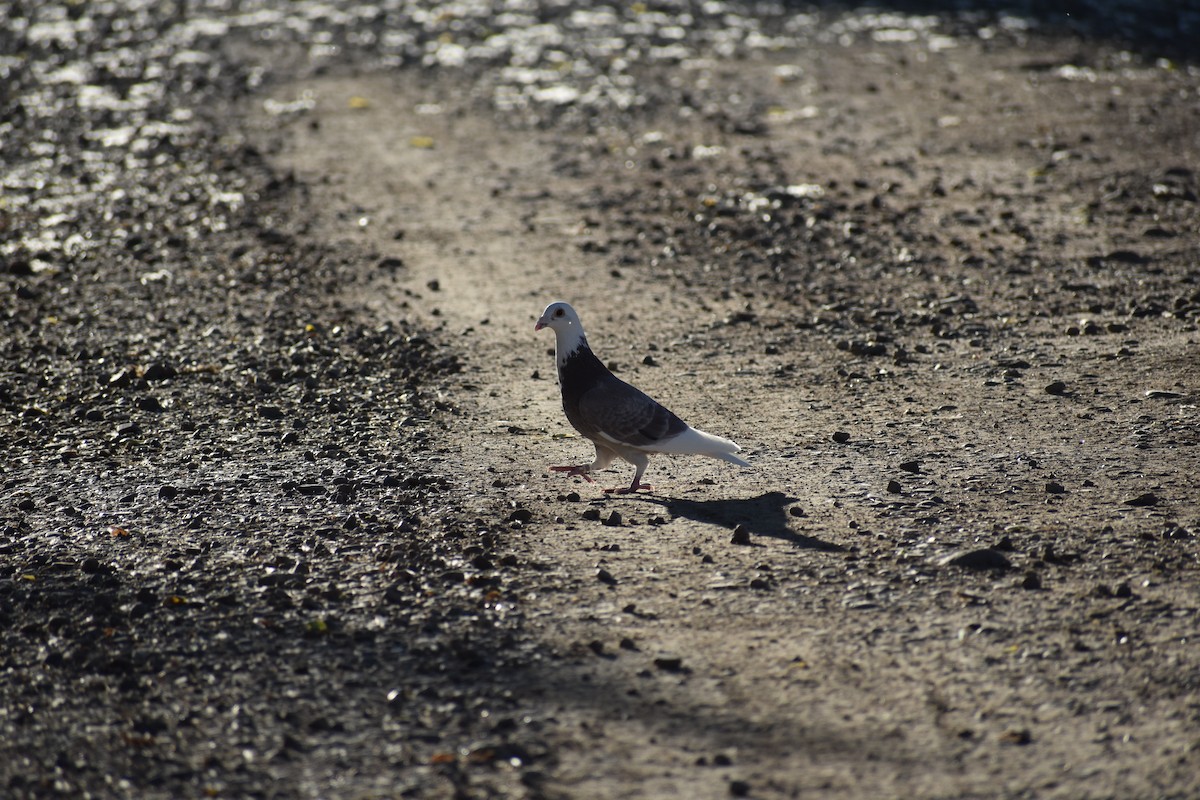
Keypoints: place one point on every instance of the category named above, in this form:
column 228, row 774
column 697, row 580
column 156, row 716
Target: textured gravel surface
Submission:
column 276, row 520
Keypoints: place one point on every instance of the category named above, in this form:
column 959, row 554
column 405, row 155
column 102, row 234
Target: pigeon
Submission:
column 619, row 419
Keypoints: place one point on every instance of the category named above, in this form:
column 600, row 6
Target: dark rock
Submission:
column 159, row 371
column 591, row 514
column 1031, row 581
column 841, row 437
column 1017, row 737
column 149, row 403
column 613, row 520
column 911, row 466
column 522, row 515
column 270, row 412
column 1143, row 500
column 606, row 577
column 167, row 492
column 980, row 559
column 739, row 788
column 669, row 663
column 1057, row 388
column 1055, row 488
column 741, row 535
column 893, row 487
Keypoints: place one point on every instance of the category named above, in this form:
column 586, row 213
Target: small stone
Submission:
column 1031, row 581
column 893, row 487
column 1057, row 388
column 1123, row 590
column 796, row 511
column 739, row 788
column 1017, row 737
column 613, row 520
column 592, row 514
column 167, row 492
column 606, row 577
column 270, row 412
column 90, row 565
column 760, row 584
column 149, row 403
column 722, row 760
column 573, row 497
column 669, row 663
column 627, row 644
column 1143, row 500
column 981, row 559
column 159, row 371
column 521, row 515
column 741, row 535
column 596, row 646
column 1055, row 488
column 649, row 361
column 434, row 285
column 841, row 437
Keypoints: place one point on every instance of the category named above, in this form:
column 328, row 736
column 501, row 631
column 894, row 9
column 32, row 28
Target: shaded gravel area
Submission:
column 233, row 557
column 225, row 566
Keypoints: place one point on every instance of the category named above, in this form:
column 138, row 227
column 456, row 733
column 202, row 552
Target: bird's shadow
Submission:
column 764, row 515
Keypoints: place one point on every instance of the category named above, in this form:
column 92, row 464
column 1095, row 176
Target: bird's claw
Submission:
column 581, row 470
column 631, row 489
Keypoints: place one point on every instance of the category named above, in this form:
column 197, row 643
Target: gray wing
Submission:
column 628, row 415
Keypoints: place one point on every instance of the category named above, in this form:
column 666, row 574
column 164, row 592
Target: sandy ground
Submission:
column 978, row 265
column 277, row 518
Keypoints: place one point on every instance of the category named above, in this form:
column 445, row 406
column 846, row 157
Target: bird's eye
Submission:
column 558, row 312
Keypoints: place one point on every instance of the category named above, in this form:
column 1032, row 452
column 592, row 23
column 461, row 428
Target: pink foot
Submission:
column 637, row 487
column 581, row 471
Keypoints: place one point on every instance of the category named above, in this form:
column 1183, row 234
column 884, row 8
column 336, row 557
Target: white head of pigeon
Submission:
column 620, row 420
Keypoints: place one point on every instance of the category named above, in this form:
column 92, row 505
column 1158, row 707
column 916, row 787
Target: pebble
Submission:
column 980, row 559
column 613, row 520
column 1057, row 388
column 167, row 492
column 841, row 437
column 1055, row 488
column 592, row 514
column 159, row 371
column 1018, row 737
column 893, row 487
column 606, row 577
column 1031, row 581
column 270, row 412
column 669, row 663
column 1143, row 500
column 911, row 466
column 521, row 515
column 741, row 535
column 739, row 788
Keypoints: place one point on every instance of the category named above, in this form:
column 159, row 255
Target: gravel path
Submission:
column 276, row 519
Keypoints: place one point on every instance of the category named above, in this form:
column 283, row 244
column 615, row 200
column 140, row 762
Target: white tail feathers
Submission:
column 696, row 442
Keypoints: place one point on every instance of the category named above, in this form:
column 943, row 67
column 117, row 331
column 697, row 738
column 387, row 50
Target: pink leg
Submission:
column 631, row 489
column 581, row 470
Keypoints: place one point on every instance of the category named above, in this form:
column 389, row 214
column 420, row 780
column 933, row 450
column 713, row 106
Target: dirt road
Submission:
column 277, row 519
column 945, row 298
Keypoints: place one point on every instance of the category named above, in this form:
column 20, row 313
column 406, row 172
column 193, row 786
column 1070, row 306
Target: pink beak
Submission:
column 539, row 325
